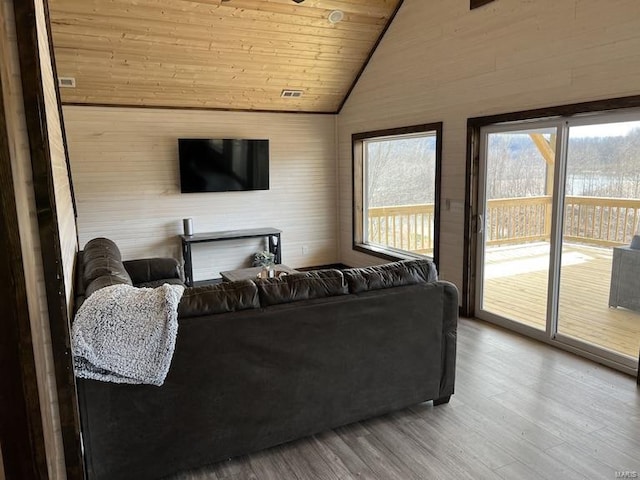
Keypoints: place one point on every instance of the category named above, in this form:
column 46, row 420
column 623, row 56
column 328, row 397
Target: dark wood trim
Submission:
column 354, row 245
column 470, row 218
column 473, row 164
column 202, row 109
column 359, row 137
column 390, row 132
column 371, row 52
column 377, row 252
column 478, row 3
column 569, row 110
column 437, row 194
column 37, row 129
column 21, row 430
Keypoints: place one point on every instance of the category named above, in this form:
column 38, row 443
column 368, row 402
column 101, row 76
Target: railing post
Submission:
column 547, row 219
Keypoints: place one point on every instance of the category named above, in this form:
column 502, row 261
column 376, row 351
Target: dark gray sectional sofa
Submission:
column 259, row 363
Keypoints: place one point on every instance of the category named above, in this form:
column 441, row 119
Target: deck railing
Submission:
column 589, row 220
column 601, row 221
column 518, row 220
column 406, row 227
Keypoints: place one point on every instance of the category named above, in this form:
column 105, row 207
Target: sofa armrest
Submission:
column 151, row 269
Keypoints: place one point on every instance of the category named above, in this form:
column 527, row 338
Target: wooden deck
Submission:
column 516, row 288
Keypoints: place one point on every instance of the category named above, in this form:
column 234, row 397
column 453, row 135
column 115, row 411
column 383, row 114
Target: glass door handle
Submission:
column 480, row 223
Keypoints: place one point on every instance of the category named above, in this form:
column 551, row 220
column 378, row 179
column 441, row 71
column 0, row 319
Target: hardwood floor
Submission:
column 584, row 312
column 522, row 410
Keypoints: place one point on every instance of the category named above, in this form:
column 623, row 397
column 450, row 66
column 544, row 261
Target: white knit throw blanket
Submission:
column 124, row 334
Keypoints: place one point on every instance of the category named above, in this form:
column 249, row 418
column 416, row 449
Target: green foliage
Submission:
column 264, row 259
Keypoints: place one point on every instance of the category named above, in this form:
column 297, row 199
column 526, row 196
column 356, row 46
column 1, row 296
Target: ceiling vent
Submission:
column 66, row 82
column 291, row 93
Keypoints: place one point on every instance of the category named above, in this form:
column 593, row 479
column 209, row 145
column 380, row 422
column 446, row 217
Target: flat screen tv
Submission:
column 223, row 165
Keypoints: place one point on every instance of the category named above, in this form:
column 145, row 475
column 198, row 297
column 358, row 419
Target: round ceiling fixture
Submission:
column 336, row 16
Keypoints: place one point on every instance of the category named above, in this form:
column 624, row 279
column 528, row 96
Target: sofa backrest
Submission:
column 101, row 266
column 301, row 286
column 259, row 293
column 396, row 274
column 221, row 298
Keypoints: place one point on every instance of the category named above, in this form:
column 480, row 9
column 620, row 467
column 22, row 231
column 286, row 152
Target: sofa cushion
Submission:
column 220, row 298
column 151, row 270
column 301, row 286
column 396, row 274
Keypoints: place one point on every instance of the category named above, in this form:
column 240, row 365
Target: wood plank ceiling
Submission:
column 219, row 54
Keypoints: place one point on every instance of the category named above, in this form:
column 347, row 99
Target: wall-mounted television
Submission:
column 223, row 165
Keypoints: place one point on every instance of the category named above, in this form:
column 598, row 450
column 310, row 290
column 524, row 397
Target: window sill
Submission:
column 387, row 253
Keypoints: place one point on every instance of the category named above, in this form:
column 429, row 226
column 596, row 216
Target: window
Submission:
column 396, row 176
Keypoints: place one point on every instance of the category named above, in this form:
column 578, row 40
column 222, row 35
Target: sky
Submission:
column 604, row 130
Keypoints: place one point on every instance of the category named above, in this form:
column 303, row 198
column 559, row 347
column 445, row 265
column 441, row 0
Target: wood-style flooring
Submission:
column 522, row 410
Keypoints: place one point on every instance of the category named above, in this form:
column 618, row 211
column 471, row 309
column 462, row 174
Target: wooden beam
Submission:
column 544, row 147
column 21, row 431
column 35, row 107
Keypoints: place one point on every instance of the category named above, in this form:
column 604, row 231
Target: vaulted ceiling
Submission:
column 222, row 54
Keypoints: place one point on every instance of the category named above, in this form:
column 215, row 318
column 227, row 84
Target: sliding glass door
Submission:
column 516, row 224
column 560, row 205
column 599, row 286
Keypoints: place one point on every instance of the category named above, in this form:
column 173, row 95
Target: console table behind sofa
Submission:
column 272, row 235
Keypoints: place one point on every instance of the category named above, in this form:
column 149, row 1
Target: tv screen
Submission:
column 223, row 165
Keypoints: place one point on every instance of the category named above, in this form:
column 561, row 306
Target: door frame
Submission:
column 472, row 205
column 21, row 429
column 35, row 110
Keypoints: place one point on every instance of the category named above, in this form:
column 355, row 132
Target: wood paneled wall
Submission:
column 29, row 237
column 126, row 176
column 439, row 61
column 61, row 177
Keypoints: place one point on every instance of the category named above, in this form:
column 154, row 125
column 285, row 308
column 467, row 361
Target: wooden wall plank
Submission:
column 450, row 64
column 125, row 168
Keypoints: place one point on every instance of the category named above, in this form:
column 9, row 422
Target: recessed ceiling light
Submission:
column 336, row 16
